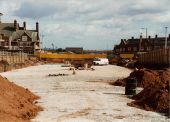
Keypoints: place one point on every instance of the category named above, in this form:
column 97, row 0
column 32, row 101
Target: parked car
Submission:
column 101, row 61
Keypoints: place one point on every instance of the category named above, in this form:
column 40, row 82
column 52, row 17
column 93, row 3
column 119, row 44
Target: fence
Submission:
column 13, row 57
column 157, row 57
column 69, row 56
column 12, row 60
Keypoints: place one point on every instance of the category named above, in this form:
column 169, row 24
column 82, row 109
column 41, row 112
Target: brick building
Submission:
column 141, row 44
column 13, row 37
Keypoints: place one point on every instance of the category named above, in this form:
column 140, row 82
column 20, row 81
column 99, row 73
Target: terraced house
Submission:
column 138, row 45
column 13, row 37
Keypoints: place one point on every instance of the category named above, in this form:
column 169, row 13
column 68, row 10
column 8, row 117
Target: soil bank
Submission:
column 16, row 103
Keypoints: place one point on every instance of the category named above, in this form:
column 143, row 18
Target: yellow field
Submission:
column 69, row 56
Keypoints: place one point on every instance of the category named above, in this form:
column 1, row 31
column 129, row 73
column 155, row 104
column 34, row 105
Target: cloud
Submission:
column 141, row 11
column 37, row 10
column 92, row 24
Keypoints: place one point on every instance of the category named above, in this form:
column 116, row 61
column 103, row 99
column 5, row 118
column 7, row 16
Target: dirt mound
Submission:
column 152, row 99
column 147, row 77
column 156, row 95
column 16, row 103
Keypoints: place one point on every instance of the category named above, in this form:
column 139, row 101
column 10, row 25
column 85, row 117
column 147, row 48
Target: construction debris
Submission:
column 58, row 74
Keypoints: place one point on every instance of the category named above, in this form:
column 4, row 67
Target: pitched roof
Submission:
column 159, row 40
column 133, row 41
column 8, row 30
column 18, row 33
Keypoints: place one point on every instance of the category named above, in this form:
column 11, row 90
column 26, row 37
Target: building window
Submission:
column 123, row 49
column 142, row 49
column 24, row 38
column 134, row 48
column 120, row 49
column 117, row 50
column 129, row 48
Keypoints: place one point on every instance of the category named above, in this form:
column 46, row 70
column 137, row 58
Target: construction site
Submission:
column 82, row 88
column 128, row 82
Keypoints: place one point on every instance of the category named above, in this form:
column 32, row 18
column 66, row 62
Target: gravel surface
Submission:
column 81, row 97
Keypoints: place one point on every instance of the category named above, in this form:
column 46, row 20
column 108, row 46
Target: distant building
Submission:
column 141, row 44
column 78, row 50
column 14, row 38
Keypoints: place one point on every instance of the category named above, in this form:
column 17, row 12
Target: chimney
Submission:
column 15, row 25
column 132, row 37
column 149, row 37
column 156, row 36
column 37, row 27
column 153, row 43
column 24, row 25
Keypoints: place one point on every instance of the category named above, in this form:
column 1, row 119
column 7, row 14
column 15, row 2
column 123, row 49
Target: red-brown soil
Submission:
column 119, row 82
column 156, row 93
column 146, row 77
column 16, row 103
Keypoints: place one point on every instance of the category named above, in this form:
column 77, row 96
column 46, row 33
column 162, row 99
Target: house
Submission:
column 138, row 45
column 13, row 37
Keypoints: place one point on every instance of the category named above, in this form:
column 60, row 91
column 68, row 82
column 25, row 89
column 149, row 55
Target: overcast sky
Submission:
column 92, row 24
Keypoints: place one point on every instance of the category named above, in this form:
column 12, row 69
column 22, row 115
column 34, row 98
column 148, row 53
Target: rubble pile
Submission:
column 16, row 103
column 58, row 74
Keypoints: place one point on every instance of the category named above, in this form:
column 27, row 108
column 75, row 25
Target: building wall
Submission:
column 27, row 42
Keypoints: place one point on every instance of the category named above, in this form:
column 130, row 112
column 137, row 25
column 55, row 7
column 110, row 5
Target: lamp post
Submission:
column 166, row 29
column 52, row 46
column 42, row 37
column 146, row 32
column 1, row 14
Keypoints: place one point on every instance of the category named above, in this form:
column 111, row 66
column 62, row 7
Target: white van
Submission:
column 101, row 61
